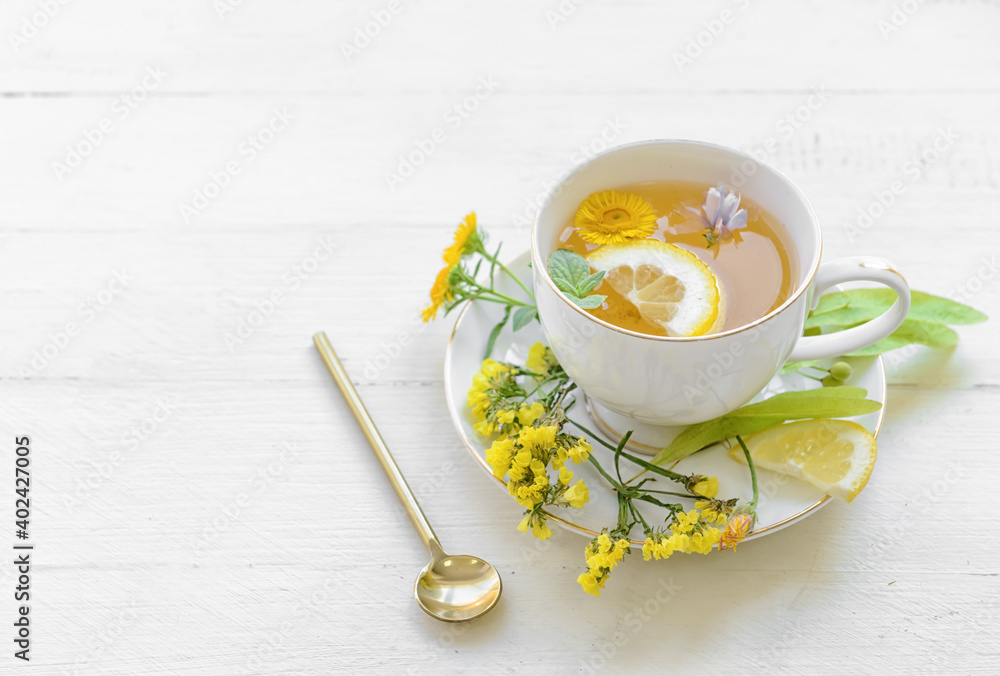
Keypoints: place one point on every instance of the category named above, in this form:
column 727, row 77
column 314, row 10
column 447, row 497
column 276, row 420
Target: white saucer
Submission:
column 783, row 500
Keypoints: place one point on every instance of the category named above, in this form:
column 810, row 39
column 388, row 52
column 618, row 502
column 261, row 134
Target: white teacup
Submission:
column 665, row 381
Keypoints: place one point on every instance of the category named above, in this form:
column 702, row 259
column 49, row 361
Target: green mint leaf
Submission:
column 523, row 317
column 568, row 270
column 828, row 402
column 590, row 283
column 590, row 302
column 495, row 333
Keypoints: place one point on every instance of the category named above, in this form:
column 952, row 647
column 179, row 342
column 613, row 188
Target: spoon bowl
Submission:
column 458, row 588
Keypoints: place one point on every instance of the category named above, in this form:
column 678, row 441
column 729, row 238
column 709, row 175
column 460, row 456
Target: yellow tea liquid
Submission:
column 754, row 269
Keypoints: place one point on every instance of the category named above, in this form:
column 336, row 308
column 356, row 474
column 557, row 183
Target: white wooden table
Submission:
column 202, row 501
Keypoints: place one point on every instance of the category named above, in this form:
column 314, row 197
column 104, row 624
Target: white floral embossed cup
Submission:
column 665, row 381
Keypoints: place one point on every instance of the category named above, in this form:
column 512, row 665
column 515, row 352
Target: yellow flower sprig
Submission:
column 529, row 438
column 523, row 410
column 460, row 281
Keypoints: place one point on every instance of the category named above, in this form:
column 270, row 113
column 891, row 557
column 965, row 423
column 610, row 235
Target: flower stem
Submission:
column 638, row 515
column 596, row 464
column 673, row 476
column 593, row 436
column 753, row 470
column 495, row 261
column 691, row 496
column 501, row 298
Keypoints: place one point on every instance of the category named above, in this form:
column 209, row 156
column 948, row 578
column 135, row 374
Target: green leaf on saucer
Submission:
column 847, row 308
column 831, row 301
column 910, row 332
column 827, row 402
column 793, row 366
column 523, row 317
column 496, row 332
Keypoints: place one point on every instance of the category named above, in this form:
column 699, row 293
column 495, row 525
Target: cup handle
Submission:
column 860, row 268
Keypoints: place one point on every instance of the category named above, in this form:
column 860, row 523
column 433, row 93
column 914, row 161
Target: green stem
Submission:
column 618, row 454
column 673, row 476
column 593, row 461
column 495, row 261
column 753, row 470
column 501, row 298
column 638, row 515
column 622, row 513
column 691, row 496
column 653, row 501
column 593, row 436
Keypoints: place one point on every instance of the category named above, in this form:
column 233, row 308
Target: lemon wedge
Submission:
column 836, row 456
column 669, row 286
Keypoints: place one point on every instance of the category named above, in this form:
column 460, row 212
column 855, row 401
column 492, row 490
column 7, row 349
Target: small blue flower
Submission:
column 723, row 214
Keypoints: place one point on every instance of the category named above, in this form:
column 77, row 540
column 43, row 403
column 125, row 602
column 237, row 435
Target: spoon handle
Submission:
column 403, row 491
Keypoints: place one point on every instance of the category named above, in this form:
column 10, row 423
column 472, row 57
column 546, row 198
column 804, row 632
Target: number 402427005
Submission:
column 22, row 486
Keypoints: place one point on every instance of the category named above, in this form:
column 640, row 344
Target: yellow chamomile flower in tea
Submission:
column 467, row 241
column 611, row 217
column 602, row 554
column 441, row 293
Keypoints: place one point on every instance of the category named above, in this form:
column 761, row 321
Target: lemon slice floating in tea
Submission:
column 669, row 286
column 836, row 456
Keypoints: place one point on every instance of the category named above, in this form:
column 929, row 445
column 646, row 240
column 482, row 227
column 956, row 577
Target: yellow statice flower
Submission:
column 692, row 533
column 703, row 541
column 580, row 451
column 611, row 217
column 441, row 293
column 715, row 512
column 467, row 241
column 496, row 399
column 661, row 546
column 577, row 495
column 527, row 415
column 541, row 360
column 602, row 555
column 536, row 521
column 499, row 456
column 707, row 487
column 739, row 527
column 538, row 439
column 590, row 583
column 565, row 476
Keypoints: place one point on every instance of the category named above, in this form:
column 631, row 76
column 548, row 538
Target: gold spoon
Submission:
column 449, row 588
